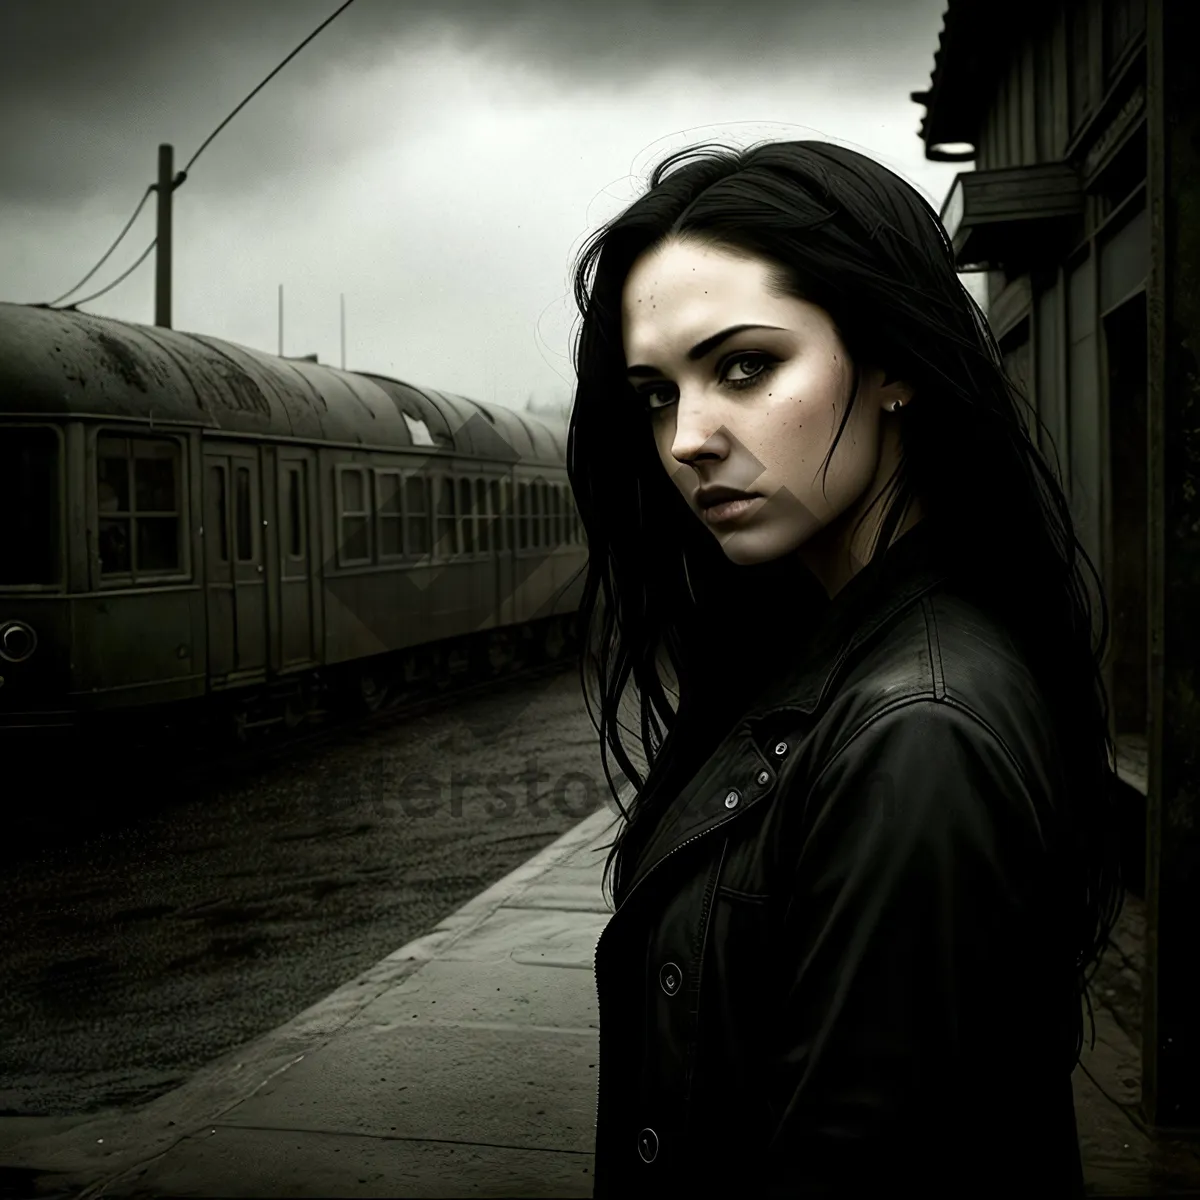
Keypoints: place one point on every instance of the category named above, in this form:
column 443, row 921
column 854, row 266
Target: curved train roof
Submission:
column 61, row 363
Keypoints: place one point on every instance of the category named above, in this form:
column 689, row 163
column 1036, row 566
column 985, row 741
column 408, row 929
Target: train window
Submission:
column 447, row 525
column 217, row 482
column 522, row 516
column 547, row 525
column 556, row 506
column 389, row 514
column 466, row 509
column 483, row 517
column 294, row 512
column 535, row 513
column 29, row 499
column 243, row 522
column 139, row 503
column 416, row 507
column 497, row 513
column 355, row 516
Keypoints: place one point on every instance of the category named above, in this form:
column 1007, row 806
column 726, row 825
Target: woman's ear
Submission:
column 894, row 393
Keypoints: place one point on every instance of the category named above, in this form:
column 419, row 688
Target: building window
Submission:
column 29, row 498
column 138, row 501
column 389, row 514
column 1080, row 69
column 355, row 515
column 466, row 518
column 1018, row 362
column 447, row 524
column 1124, row 25
column 417, row 510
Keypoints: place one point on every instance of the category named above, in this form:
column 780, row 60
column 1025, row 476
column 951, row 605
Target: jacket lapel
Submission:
column 737, row 774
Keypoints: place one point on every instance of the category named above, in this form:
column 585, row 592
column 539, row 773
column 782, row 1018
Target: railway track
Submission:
column 69, row 784
column 333, row 724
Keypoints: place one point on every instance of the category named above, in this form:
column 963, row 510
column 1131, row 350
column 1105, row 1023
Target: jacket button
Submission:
column 731, row 799
column 781, row 748
column 648, row 1145
column 670, row 977
column 763, row 776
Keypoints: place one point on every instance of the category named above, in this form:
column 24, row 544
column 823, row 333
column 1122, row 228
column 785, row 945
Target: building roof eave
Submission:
column 974, row 37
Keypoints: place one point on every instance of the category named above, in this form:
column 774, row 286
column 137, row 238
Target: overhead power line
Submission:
column 182, row 175
column 328, row 21
column 119, row 279
column 120, row 238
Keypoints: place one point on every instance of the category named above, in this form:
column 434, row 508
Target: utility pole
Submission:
column 162, row 247
column 343, row 299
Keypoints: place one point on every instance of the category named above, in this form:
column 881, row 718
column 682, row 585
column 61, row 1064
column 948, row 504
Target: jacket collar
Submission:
column 914, row 565
column 738, row 773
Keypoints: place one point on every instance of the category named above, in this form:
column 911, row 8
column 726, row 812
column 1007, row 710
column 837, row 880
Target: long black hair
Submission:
column 842, row 232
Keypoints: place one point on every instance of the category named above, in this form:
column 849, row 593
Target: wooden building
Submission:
column 1082, row 120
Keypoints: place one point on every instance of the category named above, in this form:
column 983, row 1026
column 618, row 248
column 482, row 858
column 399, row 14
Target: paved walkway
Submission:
column 462, row 1065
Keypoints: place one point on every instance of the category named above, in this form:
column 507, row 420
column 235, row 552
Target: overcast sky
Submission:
column 440, row 163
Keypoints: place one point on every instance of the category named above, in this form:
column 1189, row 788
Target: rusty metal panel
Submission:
column 416, row 408
column 62, row 363
column 55, row 362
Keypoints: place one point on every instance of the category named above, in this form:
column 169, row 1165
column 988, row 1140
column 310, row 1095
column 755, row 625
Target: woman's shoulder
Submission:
column 948, row 651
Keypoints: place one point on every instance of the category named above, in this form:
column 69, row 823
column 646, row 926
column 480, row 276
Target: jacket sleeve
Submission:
column 922, row 844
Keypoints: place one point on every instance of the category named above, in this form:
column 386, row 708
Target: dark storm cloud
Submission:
column 88, row 87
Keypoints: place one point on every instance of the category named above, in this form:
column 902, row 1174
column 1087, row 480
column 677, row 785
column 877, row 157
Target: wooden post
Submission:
column 1171, row 1012
column 162, row 246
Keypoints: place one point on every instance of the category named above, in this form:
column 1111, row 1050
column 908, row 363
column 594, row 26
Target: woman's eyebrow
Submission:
column 700, row 349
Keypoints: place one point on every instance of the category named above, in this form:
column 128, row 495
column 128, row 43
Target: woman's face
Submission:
column 745, row 390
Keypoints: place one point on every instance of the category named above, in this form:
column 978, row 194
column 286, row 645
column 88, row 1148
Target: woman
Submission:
column 860, row 889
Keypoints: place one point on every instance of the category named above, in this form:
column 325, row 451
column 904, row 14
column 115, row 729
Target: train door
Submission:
column 297, row 614
column 236, row 583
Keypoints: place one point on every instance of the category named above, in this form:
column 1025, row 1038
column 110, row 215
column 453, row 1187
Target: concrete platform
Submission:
column 463, row 1064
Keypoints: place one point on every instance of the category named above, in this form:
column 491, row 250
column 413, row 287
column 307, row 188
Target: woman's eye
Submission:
column 754, row 361
column 740, row 371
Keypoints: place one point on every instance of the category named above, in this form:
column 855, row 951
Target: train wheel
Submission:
column 372, row 691
column 240, row 726
column 555, row 641
column 500, row 653
column 443, row 668
column 295, row 712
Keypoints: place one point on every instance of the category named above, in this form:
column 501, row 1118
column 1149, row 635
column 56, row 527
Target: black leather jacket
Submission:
column 830, row 973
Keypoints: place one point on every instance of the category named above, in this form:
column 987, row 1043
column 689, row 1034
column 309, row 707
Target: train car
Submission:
column 185, row 519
